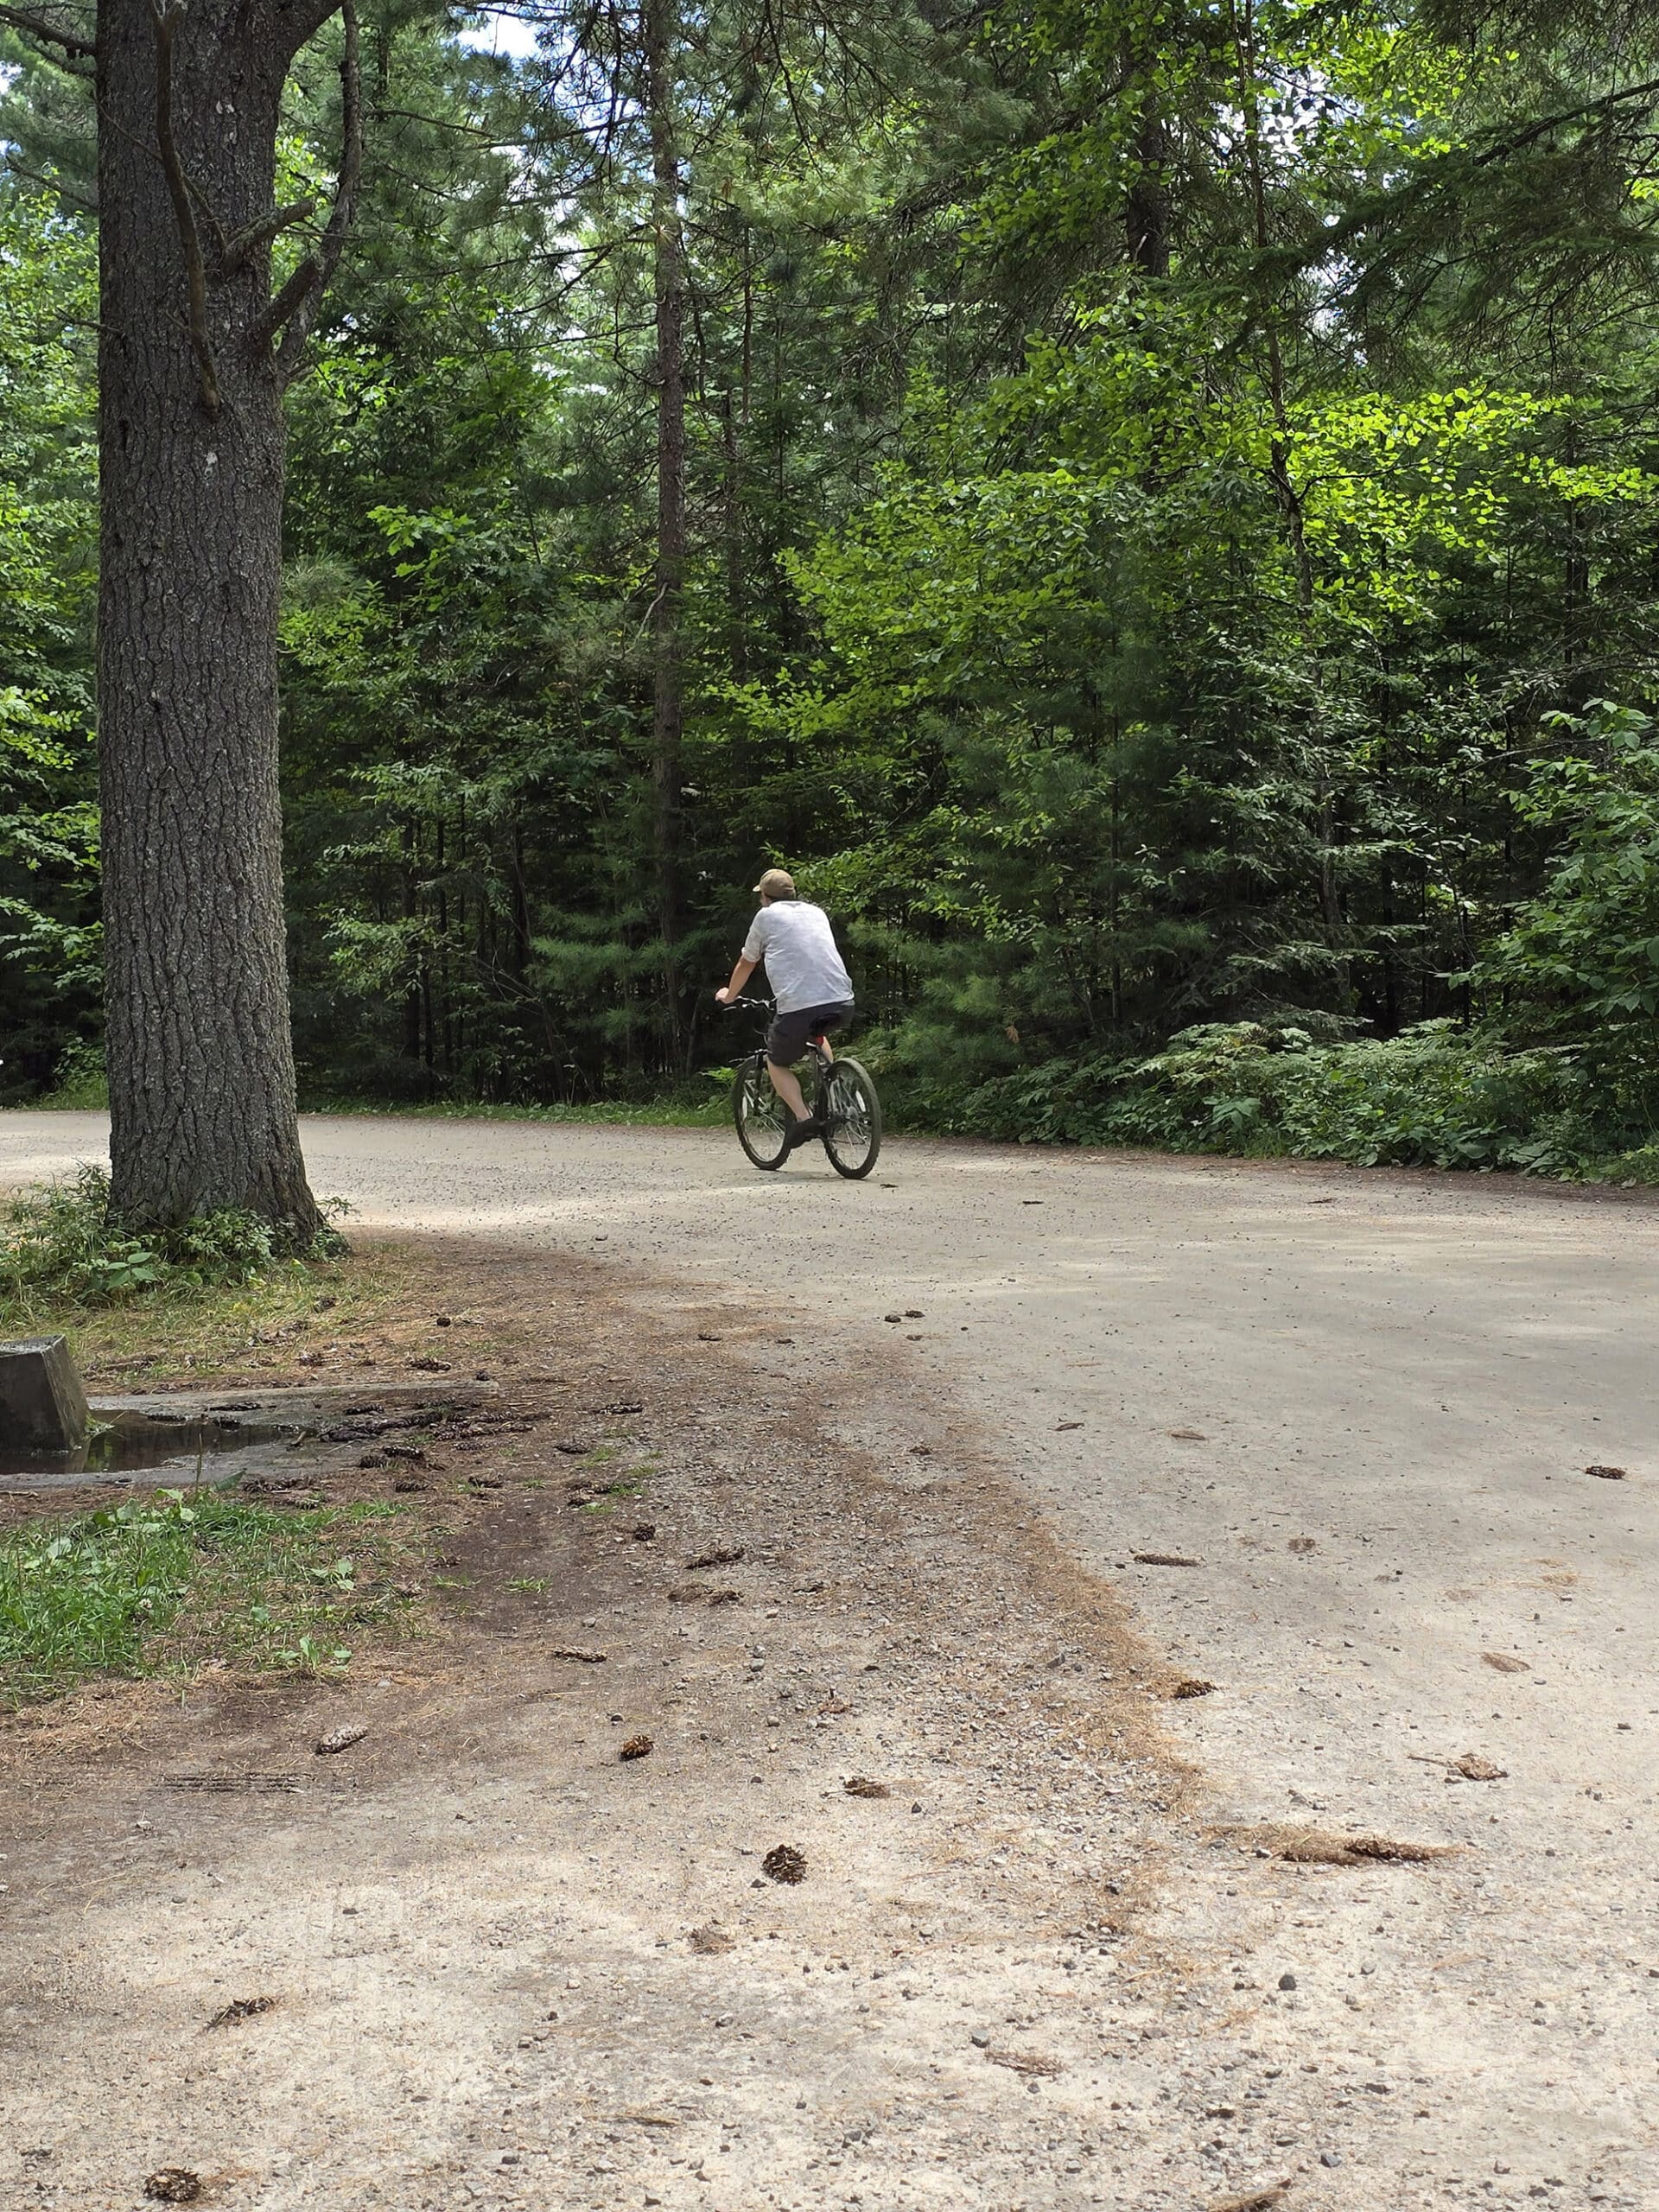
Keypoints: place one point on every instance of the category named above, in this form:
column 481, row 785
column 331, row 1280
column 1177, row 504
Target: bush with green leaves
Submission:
column 1435, row 1097
column 1579, row 963
column 83, row 1081
column 65, row 1241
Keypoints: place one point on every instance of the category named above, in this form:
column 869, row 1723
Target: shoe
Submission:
column 801, row 1132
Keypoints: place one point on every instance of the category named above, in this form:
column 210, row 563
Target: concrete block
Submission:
column 43, row 1406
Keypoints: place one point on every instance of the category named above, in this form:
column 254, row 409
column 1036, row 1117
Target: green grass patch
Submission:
column 174, row 1332
column 160, row 1585
column 692, row 1112
column 611, row 1496
column 197, row 1302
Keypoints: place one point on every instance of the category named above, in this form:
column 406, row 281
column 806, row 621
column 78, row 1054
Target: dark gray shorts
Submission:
column 786, row 1038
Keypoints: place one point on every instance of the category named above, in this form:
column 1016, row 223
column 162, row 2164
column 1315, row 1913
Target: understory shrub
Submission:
column 83, row 1082
column 64, row 1240
column 1435, row 1097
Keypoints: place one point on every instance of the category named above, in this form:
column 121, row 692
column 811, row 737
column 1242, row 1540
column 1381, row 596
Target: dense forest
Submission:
column 1151, row 510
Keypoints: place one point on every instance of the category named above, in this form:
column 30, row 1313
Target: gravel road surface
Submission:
column 1363, row 1411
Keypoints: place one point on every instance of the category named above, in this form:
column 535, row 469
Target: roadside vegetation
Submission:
column 1429, row 1098
column 171, row 1581
column 195, row 1299
column 702, row 1109
column 168, row 1583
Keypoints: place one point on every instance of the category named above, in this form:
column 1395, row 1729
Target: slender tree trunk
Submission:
column 1577, row 629
column 1145, row 214
column 659, row 29
column 193, row 355
column 412, row 989
column 736, row 612
column 1288, row 499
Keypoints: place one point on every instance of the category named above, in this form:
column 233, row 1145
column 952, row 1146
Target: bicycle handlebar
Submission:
column 761, row 1006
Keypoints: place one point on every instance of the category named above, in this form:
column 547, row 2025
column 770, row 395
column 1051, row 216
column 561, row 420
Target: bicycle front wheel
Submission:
column 852, row 1119
column 758, row 1113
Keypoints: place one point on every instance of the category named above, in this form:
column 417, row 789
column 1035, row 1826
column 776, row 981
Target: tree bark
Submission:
column 1147, row 211
column 657, row 35
column 193, row 354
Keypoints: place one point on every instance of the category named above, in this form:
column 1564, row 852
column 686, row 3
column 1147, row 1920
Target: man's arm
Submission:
column 741, row 976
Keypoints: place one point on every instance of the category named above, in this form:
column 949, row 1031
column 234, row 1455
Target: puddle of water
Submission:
column 125, row 1443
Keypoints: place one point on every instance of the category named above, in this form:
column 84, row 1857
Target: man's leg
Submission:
column 784, row 1082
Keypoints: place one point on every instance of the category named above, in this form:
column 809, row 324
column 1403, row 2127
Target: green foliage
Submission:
column 48, row 826
column 1580, row 960
column 62, row 1241
column 1132, row 772
column 1431, row 1097
column 690, row 1110
column 1166, row 490
column 163, row 1583
column 82, row 1083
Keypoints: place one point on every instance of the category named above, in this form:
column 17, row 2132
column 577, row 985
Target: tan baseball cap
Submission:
column 777, row 883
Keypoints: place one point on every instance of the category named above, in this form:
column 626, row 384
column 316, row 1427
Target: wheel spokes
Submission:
column 762, row 1108
column 849, row 1121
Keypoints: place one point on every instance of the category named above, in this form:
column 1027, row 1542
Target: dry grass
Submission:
column 1191, row 1686
column 1253, row 2200
column 1312, row 1847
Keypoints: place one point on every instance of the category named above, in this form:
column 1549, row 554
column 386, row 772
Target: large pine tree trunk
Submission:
column 201, row 1067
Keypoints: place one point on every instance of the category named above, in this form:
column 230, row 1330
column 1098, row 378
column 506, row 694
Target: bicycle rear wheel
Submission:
column 758, row 1113
column 852, row 1119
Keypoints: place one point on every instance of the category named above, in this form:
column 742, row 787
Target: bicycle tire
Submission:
column 852, row 1119
column 758, row 1114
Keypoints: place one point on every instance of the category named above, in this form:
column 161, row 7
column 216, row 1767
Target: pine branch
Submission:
column 12, row 167
column 292, row 315
column 286, row 304
column 249, row 239
column 37, row 27
column 1541, row 126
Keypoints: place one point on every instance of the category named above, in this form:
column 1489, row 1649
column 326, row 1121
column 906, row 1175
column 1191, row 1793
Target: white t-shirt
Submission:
column 795, row 940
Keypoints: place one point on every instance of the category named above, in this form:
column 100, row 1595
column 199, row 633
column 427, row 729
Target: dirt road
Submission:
column 1357, row 1410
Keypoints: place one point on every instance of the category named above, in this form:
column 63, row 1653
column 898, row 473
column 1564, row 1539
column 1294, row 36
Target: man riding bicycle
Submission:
column 813, row 991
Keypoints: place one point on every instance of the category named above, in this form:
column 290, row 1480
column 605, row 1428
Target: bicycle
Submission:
column 844, row 1098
